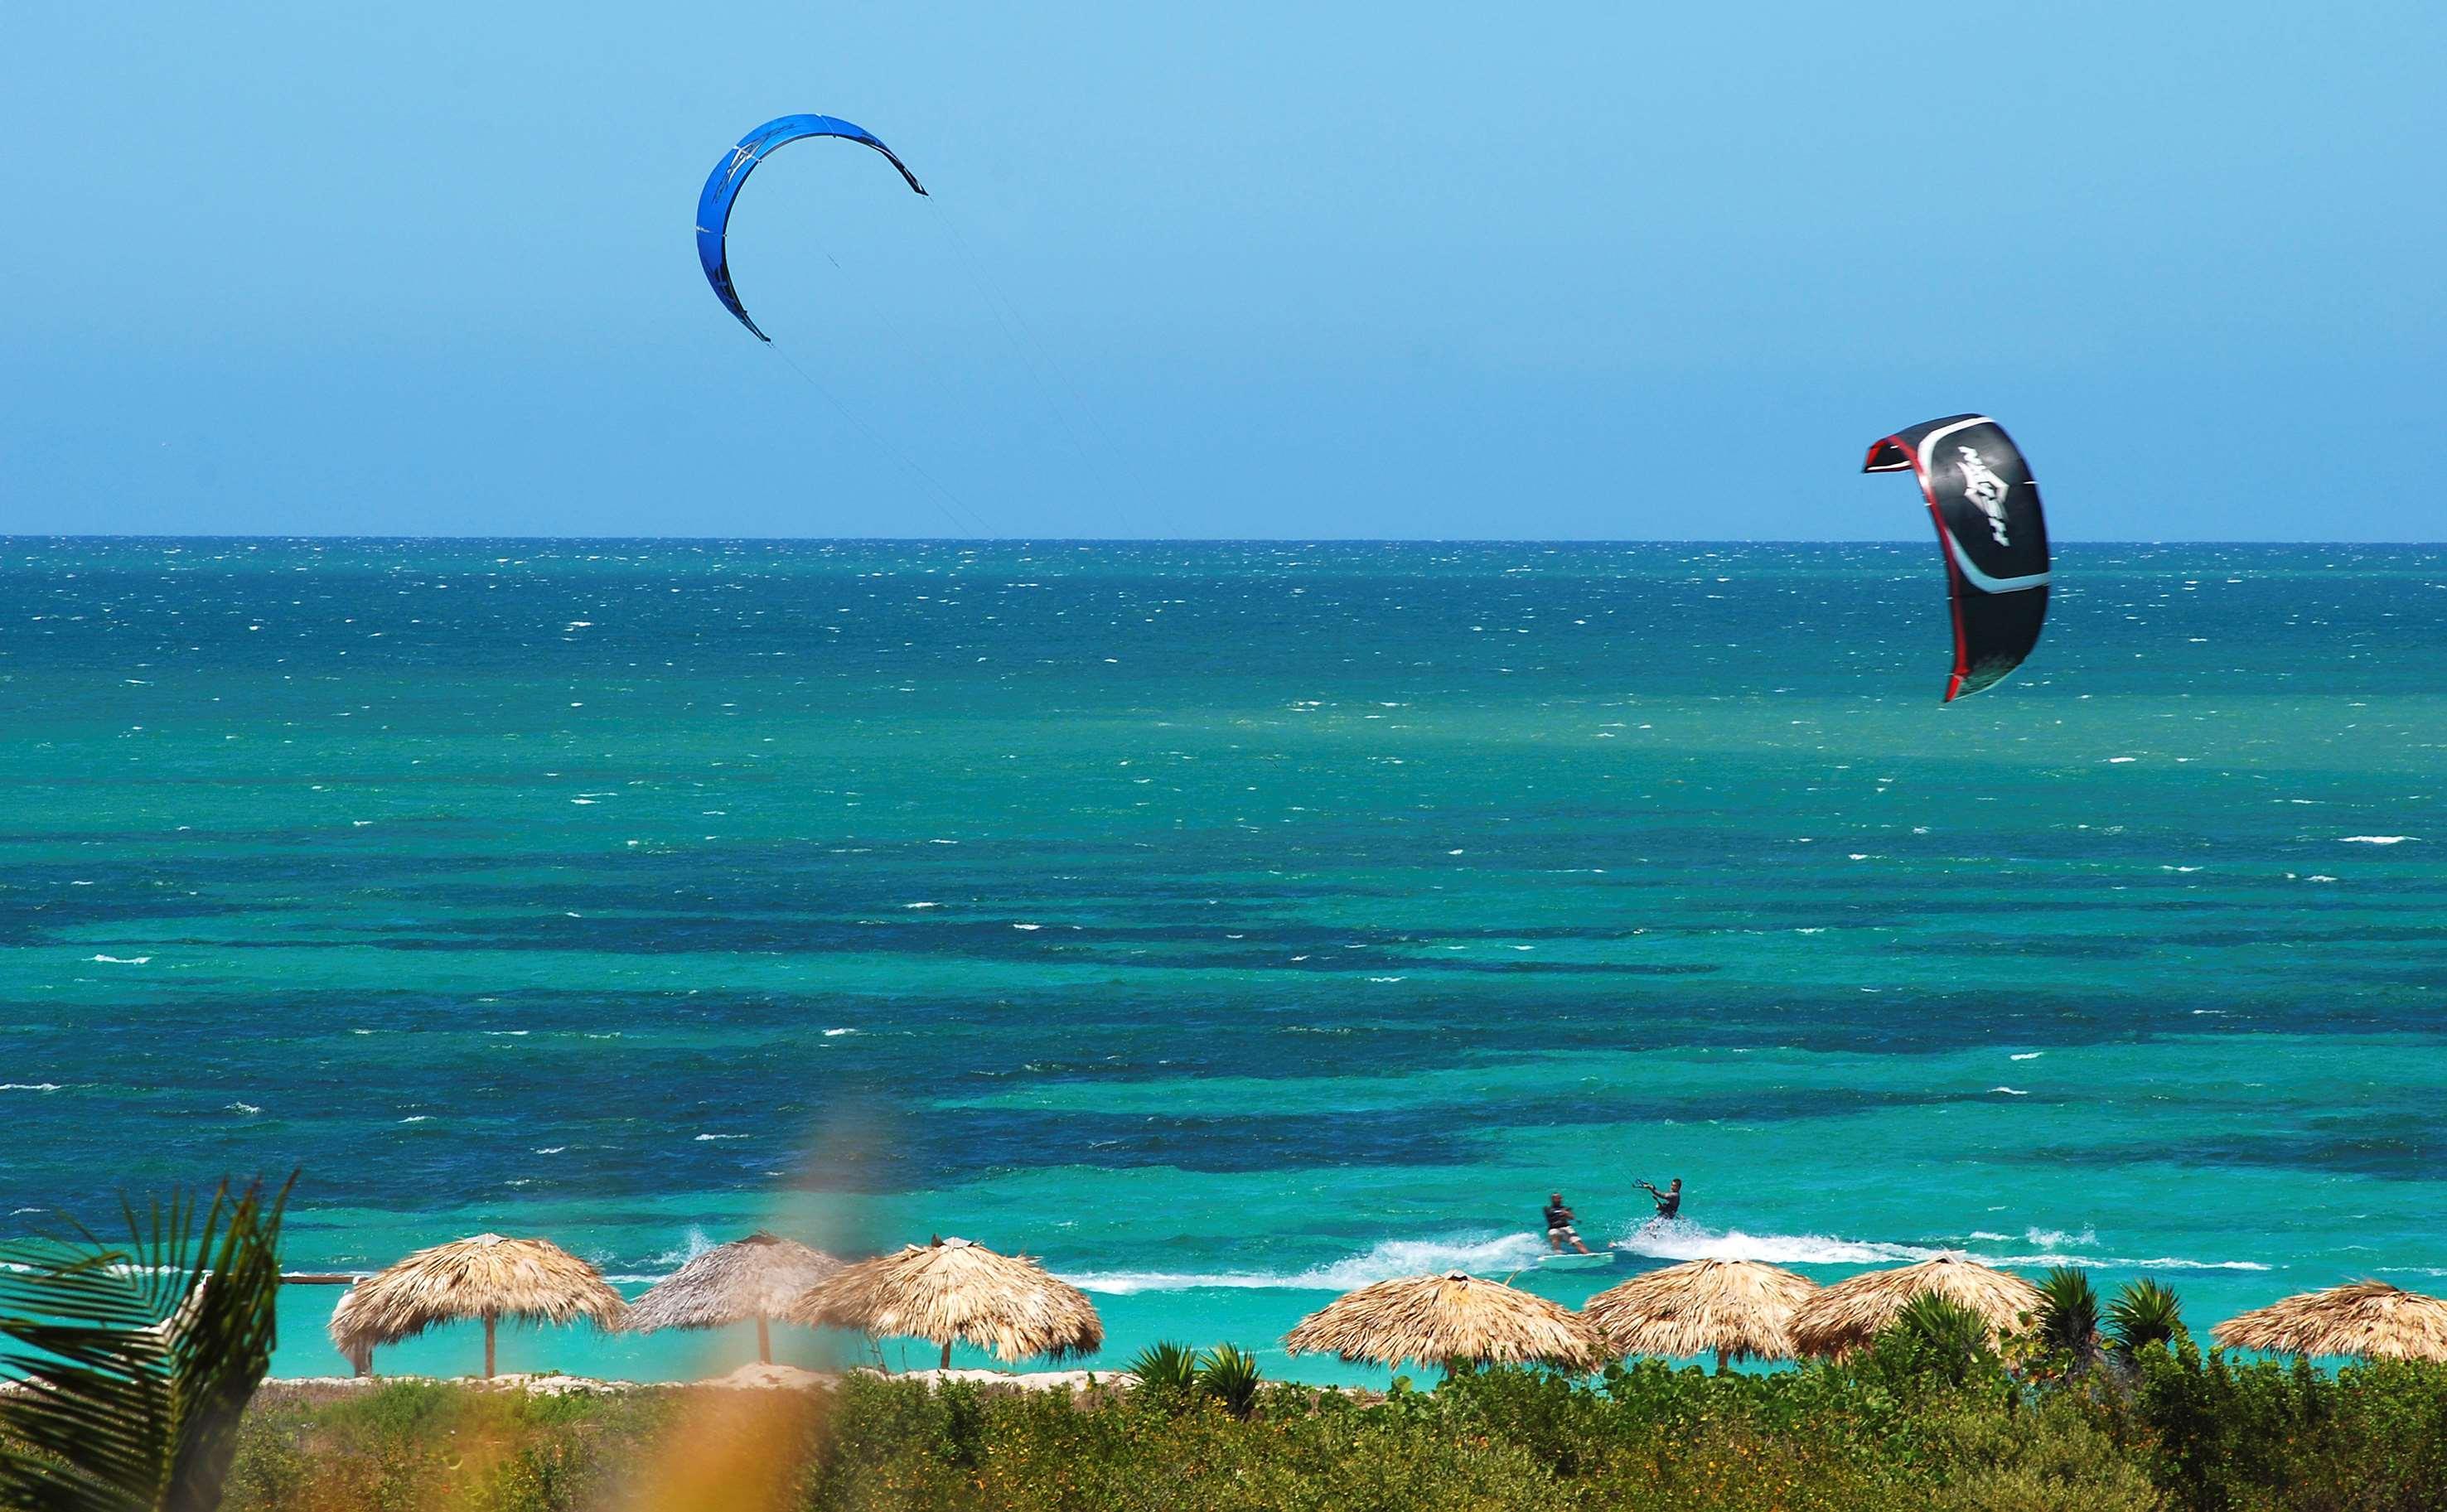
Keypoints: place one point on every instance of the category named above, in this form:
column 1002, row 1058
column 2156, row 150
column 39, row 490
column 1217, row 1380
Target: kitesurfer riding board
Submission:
column 1559, row 1226
column 1669, row 1202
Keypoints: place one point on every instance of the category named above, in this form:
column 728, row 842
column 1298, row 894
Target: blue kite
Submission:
column 722, row 188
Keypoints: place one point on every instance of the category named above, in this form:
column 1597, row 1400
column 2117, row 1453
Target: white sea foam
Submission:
column 1480, row 1254
column 29, row 1086
column 122, row 960
column 2378, row 840
column 1660, row 1239
column 416, row 1118
column 244, row 1107
column 2027, row 1055
column 2010, row 1091
column 830, row 1032
column 706, row 1139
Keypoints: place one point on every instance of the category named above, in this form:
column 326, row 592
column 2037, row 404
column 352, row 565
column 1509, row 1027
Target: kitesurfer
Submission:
column 1559, row 1225
column 1669, row 1202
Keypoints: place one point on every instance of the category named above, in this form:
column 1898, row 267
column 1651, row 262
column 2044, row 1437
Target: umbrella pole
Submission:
column 948, row 1355
column 764, row 1341
column 488, row 1346
column 1720, row 1362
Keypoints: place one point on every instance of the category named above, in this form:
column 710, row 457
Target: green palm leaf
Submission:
column 133, row 1361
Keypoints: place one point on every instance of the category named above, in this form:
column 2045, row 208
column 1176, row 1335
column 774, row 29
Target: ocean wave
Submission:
column 1676, row 1240
column 1477, row 1254
column 1657, row 1239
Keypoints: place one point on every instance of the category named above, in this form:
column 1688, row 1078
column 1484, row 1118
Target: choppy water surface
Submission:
column 1228, row 924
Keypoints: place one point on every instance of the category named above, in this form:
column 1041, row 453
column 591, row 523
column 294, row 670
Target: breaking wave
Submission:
column 1658, row 1240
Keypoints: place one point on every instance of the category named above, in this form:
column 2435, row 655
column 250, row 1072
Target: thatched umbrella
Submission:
column 956, row 1291
column 757, row 1278
column 2369, row 1320
column 1732, row 1308
column 487, row 1276
column 1848, row 1315
column 1449, row 1320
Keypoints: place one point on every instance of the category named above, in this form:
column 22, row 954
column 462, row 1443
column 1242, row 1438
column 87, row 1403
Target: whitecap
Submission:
column 2377, row 839
column 122, row 960
column 2027, row 1055
column 1028, row 926
column 830, row 1032
column 2010, row 1091
column 550, row 1149
column 417, row 1118
column 29, row 1086
column 1477, row 1254
column 921, row 906
column 708, row 1139
column 244, row 1107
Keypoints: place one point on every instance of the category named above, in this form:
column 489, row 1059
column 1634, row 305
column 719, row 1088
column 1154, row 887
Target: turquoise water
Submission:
column 1227, row 924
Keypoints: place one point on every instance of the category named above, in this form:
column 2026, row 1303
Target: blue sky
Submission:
column 1267, row 269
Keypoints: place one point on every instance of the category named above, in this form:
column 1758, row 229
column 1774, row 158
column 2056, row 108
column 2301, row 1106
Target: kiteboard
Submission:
column 1572, row 1260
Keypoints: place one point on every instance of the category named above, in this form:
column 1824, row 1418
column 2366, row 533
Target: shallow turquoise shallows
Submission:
column 1227, row 925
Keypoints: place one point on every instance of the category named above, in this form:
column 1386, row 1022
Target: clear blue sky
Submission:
column 1370, row 270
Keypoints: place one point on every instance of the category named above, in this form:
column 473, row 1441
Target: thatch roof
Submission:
column 487, row 1276
column 1732, row 1308
column 755, row 1277
column 1848, row 1315
column 958, row 1291
column 2368, row 1320
column 1448, row 1319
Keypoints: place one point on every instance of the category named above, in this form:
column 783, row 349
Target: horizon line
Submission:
column 13, row 538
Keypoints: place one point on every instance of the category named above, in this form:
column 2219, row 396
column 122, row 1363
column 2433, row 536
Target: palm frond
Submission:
column 133, row 1361
column 2146, row 1311
column 2068, row 1319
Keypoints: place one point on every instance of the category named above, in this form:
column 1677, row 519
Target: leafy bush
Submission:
column 1922, row 1419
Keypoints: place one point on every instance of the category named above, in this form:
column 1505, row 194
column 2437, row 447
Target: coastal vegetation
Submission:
column 1929, row 1415
column 1947, row 1384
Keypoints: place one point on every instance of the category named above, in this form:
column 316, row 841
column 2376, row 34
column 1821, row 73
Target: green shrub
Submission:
column 1168, row 1368
column 2144, row 1313
column 1922, row 1419
column 1230, row 1376
column 2067, row 1316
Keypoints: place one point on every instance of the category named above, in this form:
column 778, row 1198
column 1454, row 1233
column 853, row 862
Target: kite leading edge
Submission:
column 723, row 185
column 1987, row 505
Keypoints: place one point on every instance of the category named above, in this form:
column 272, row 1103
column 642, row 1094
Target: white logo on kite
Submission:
column 1986, row 490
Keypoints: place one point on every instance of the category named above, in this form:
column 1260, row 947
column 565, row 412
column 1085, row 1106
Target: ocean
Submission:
column 1227, row 924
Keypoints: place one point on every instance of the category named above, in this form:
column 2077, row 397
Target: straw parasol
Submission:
column 1450, row 1320
column 757, row 1278
column 1733, row 1309
column 2369, row 1320
column 956, row 1290
column 487, row 1276
column 1848, row 1315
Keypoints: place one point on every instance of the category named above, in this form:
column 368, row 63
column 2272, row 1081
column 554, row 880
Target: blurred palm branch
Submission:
column 128, row 1364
